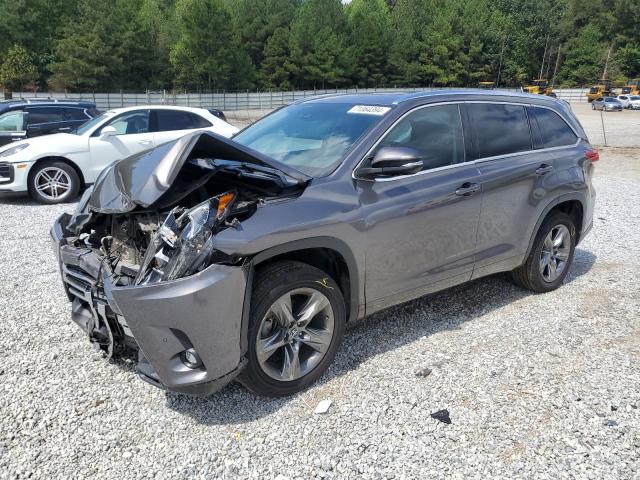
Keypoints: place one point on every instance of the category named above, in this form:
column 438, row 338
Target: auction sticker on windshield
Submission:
column 369, row 109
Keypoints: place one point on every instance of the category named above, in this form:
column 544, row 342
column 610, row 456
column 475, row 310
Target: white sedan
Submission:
column 53, row 168
column 630, row 101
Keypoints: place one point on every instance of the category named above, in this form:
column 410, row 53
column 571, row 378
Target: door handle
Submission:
column 544, row 169
column 144, row 142
column 467, row 189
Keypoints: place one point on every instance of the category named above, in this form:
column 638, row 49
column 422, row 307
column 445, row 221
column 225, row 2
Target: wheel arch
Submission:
column 56, row 158
column 571, row 204
column 329, row 254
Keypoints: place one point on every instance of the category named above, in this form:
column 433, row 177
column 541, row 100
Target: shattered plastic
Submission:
column 182, row 246
column 140, row 251
column 142, row 179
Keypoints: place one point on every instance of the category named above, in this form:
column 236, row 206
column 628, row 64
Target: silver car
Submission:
column 607, row 104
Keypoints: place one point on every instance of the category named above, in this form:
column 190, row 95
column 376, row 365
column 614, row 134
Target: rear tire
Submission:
column 551, row 255
column 53, row 182
column 296, row 324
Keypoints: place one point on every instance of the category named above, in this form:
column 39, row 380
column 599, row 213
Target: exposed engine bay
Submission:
column 174, row 236
column 154, row 218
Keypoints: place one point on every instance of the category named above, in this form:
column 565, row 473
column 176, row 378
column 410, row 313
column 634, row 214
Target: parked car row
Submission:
column 616, row 104
column 55, row 168
column 630, row 101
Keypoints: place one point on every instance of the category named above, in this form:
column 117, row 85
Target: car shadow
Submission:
column 383, row 331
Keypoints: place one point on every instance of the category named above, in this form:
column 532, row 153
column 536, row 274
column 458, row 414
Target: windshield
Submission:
column 611, row 100
column 86, row 126
column 311, row 137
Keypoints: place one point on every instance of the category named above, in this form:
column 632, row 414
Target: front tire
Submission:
column 53, row 182
column 551, row 255
column 296, row 324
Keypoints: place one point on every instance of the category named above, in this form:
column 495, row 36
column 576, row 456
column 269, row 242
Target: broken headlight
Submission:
column 183, row 244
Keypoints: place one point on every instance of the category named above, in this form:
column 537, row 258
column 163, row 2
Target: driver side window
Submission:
column 12, row 122
column 131, row 123
column 435, row 132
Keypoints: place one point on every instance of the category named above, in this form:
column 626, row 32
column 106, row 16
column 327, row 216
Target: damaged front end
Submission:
column 140, row 265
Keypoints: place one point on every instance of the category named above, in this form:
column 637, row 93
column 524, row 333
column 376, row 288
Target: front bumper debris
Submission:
column 162, row 320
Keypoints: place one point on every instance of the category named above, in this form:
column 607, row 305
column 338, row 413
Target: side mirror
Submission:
column 391, row 161
column 108, row 132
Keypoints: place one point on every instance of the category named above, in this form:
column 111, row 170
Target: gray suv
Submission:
column 214, row 259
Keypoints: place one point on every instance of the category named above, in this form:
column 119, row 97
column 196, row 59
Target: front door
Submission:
column 133, row 136
column 421, row 228
column 13, row 127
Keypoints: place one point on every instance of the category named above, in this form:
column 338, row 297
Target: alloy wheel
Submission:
column 52, row 183
column 555, row 253
column 295, row 334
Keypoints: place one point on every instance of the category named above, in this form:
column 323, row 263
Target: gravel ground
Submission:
column 542, row 386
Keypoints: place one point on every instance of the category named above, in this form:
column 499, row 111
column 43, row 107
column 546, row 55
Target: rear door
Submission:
column 43, row 120
column 516, row 182
column 73, row 118
column 421, row 228
column 168, row 124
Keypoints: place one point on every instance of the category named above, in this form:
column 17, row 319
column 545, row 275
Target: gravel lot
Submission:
column 541, row 386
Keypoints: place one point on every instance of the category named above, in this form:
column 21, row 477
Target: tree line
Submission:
column 208, row 45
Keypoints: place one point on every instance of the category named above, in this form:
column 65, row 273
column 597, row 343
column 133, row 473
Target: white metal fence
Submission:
column 230, row 101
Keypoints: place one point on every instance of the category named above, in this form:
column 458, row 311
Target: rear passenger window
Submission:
column 71, row 114
column 436, row 132
column 500, row 129
column 554, row 130
column 39, row 115
column 168, row 120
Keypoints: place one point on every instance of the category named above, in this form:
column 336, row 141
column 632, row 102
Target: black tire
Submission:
column 528, row 275
column 71, row 175
column 269, row 285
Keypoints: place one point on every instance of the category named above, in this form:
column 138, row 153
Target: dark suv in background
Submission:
column 26, row 118
column 216, row 258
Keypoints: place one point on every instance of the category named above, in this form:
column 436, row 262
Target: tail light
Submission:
column 592, row 155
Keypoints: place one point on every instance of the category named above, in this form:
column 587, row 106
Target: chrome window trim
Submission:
column 472, row 162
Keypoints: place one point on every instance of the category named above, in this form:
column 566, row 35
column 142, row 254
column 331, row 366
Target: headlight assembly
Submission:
column 13, row 150
column 183, row 244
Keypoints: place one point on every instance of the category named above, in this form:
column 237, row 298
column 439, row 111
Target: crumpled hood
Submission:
column 140, row 180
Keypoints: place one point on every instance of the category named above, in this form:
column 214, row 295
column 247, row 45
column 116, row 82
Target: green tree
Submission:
column 255, row 21
column 106, row 47
column 628, row 60
column 369, row 23
column 410, row 20
column 17, row 69
column 584, row 57
column 207, row 53
column 276, row 68
column 34, row 24
column 318, row 45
